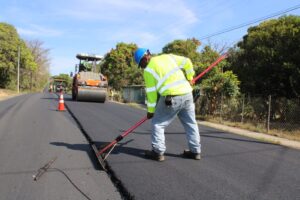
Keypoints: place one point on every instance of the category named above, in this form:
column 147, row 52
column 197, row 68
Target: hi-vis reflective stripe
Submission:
column 190, row 71
column 176, row 83
column 181, row 65
column 173, row 71
column 152, row 89
column 154, row 74
column 170, row 73
column 161, row 81
column 152, row 105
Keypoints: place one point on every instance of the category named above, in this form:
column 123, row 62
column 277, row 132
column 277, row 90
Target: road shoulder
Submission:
column 255, row 135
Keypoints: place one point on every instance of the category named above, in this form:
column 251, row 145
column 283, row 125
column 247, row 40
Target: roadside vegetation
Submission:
column 33, row 61
column 257, row 87
column 5, row 94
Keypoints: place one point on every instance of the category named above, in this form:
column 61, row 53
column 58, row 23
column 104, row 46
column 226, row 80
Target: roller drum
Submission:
column 91, row 94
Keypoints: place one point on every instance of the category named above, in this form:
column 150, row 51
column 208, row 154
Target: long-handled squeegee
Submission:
column 101, row 155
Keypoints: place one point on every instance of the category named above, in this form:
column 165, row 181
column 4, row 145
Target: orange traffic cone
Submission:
column 61, row 104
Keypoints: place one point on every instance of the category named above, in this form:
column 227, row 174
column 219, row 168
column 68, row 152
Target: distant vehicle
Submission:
column 88, row 85
column 57, row 85
column 60, row 88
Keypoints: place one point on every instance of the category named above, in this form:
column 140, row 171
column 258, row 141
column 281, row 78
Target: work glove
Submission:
column 196, row 94
column 192, row 82
column 149, row 115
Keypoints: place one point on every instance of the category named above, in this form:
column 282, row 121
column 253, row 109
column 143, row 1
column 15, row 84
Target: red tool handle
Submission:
column 134, row 127
column 120, row 137
column 222, row 57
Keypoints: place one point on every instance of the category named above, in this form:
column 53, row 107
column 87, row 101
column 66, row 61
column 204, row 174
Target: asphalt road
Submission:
column 32, row 133
column 232, row 166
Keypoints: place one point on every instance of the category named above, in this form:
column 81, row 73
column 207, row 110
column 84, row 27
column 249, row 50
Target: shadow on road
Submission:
column 69, row 99
column 207, row 135
column 48, row 98
column 121, row 148
column 80, row 147
column 235, row 139
column 149, row 132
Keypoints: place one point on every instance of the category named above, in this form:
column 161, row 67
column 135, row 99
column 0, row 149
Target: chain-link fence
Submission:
column 265, row 114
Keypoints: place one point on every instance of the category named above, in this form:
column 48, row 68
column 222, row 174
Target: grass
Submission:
column 4, row 93
column 292, row 135
column 279, row 131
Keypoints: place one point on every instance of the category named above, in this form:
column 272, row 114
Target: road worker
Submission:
column 51, row 88
column 168, row 82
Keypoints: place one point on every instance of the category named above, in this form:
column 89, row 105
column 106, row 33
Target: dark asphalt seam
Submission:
column 6, row 110
column 15, row 105
column 117, row 182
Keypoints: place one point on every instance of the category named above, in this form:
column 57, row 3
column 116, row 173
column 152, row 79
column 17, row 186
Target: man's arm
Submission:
column 151, row 92
column 189, row 70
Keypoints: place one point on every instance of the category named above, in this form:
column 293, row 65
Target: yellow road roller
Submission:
column 89, row 85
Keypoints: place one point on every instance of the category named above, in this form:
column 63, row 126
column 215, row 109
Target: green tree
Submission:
column 10, row 42
column 205, row 59
column 120, row 68
column 186, row 48
column 27, row 67
column 219, row 82
column 267, row 60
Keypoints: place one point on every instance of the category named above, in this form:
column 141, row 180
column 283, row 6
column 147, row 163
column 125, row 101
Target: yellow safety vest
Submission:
column 164, row 76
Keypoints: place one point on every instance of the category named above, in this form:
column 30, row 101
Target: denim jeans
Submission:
column 183, row 107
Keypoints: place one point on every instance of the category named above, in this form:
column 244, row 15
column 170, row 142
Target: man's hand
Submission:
column 149, row 115
column 192, row 82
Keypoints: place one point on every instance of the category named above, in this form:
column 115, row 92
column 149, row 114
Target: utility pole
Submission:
column 18, row 84
column 30, row 80
column 269, row 114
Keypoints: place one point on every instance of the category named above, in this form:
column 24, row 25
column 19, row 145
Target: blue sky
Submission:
column 68, row 27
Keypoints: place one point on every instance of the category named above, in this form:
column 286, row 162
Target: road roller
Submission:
column 89, row 85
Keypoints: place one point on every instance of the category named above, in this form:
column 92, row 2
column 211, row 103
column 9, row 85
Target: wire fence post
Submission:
column 243, row 108
column 269, row 114
column 221, row 108
column 18, row 72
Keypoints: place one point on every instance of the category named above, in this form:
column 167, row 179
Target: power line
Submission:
column 251, row 22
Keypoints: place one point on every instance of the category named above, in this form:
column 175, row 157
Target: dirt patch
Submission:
column 5, row 94
column 290, row 134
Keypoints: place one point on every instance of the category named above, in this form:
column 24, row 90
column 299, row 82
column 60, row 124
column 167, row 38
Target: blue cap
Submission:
column 139, row 54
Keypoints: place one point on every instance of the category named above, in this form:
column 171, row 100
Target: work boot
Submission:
column 189, row 154
column 154, row 156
